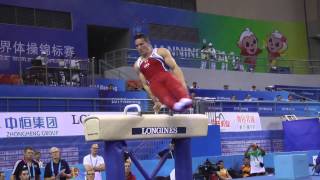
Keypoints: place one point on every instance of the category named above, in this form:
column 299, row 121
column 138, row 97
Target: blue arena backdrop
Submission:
column 48, row 91
column 301, row 135
column 56, row 103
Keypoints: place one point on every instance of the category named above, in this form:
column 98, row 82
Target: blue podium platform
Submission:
column 291, row 166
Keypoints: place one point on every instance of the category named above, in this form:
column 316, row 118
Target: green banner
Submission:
column 264, row 43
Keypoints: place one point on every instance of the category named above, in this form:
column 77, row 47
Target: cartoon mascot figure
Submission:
column 248, row 44
column 276, row 45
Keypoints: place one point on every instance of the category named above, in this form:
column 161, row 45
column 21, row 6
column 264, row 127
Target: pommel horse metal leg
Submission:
column 114, row 159
column 114, row 153
column 183, row 160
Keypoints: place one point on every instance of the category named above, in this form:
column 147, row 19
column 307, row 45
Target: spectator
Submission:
column 245, row 168
column 173, row 174
column 74, row 172
column 90, row 175
column 194, row 85
column 57, row 168
column 127, row 170
column 2, row 175
column 255, row 153
column 27, row 162
column 317, row 165
column 223, row 173
column 290, row 98
column 212, row 56
column 279, row 98
column 94, row 162
column 43, row 58
column 253, row 88
column 111, row 87
column 204, row 56
column 236, row 63
column 248, row 98
column 224, row 61
column 193, row 108
column 37, row 156
column 303, row 99
column 225, row 87
column 24, row 174
column 134, row 85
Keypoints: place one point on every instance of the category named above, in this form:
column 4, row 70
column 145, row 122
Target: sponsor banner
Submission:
column 39, row 124
column 235, row 121
column 110, row 84
column 121, row 99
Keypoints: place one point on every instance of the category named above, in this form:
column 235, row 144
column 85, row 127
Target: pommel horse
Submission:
column 115, row 129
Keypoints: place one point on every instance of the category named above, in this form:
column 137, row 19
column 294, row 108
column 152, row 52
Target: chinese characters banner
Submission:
column 39, row 124
column 16, row 53
column 20, row 48
column 235, row 121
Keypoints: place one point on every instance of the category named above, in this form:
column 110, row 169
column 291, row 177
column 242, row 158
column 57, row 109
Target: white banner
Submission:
column 40, row 124
column 235, row 121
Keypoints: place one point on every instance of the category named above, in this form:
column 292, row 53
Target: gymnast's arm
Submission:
column 169, row 60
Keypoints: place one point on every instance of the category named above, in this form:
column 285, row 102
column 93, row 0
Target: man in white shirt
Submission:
column 212, row 56
column 43, row 57
column 94, row 162
column 224, row 61
column 256, row 153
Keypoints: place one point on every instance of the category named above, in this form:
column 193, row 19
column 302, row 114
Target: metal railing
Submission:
column 233, row 62
column 108, row 70
column 57, row 104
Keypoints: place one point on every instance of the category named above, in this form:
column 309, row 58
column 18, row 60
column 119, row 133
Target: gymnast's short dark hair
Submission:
column 142, row 36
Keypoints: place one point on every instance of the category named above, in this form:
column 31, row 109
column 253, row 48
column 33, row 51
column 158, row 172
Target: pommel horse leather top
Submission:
column 150, row 126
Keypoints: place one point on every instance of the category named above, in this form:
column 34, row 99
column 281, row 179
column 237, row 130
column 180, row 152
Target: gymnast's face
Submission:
column 143, row 47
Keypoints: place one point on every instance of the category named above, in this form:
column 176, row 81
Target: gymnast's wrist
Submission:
column 155, row 100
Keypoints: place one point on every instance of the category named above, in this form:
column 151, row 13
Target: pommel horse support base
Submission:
column 114, row 129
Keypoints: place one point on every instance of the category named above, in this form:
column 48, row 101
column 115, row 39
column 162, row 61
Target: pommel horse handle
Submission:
column 130, row 106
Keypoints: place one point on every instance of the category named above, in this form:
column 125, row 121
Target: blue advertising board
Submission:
column 240, row 95
column 118, row 100
column 117, row 84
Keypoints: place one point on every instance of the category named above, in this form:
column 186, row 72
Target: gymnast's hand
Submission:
column 157, row 106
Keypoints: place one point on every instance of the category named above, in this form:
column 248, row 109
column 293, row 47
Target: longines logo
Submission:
column 158, row 130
